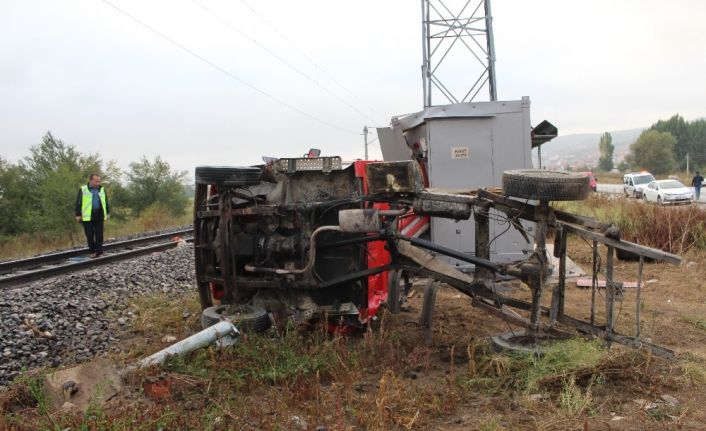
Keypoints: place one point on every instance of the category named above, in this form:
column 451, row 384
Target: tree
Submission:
column 623, row 166
column 679, row 129
column 606, row 149
column 53, row 173
column 13, row 205
column 154, row 182
column 653, row 151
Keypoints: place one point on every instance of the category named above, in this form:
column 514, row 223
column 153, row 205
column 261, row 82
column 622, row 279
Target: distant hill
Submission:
column 581, row 149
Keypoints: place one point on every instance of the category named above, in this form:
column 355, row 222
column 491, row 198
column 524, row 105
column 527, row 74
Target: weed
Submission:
column 693, row 368
column 560, row 361
column 572, row 400
column 492, row 424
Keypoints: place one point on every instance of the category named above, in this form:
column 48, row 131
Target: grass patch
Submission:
column 164, row 314
column 693, row 368
column 259, row 360
column 695, row 322
column 561, row 362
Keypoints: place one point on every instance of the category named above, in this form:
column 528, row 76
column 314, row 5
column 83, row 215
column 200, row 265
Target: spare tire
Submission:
column 227, row 175
column 247, row 318
column 544, row 185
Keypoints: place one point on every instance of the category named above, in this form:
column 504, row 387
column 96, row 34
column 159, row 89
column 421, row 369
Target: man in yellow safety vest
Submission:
column 92, row 210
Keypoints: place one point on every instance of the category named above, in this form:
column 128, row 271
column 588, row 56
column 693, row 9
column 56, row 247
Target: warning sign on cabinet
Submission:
column 459, row 152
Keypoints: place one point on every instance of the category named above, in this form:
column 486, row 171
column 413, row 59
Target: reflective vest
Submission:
column 87, row 202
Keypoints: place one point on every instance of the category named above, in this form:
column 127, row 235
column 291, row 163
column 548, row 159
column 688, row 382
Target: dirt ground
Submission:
column 391, row 378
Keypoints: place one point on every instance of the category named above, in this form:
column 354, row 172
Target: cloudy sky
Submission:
column 269, row 77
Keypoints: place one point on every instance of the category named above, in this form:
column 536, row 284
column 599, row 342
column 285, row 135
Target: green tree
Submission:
column 13, row 203
column 653, row 151
column 606, row 149
column 53, row 173
column 154, row 182
column 679, row 129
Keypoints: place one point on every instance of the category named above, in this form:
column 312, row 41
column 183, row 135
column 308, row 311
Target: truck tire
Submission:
column 247, row 318
column 523, row 342
column 227, row 175
column 545, row 185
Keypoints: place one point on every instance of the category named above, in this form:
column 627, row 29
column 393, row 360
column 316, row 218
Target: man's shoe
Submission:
column 93, row 255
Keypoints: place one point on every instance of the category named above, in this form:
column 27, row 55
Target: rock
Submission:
column 169, row 339
column 68, row 407
column 299, row 422
column 538, row 397
column 670, row 400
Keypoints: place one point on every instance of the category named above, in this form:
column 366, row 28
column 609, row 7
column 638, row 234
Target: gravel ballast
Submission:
column 72, row 318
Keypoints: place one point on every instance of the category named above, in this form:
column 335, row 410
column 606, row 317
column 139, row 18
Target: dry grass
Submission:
column 673, row 229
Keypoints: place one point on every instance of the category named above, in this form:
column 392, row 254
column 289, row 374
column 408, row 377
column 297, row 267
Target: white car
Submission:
column 635, row 183
column 665, row 192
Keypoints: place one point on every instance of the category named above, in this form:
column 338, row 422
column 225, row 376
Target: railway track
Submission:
column 21, row 271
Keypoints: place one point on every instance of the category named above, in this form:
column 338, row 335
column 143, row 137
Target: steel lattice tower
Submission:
column 457, row 45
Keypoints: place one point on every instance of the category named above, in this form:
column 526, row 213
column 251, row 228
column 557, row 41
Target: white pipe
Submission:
column 223, row 331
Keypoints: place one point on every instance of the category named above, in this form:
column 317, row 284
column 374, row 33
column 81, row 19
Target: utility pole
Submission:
column 365, row 137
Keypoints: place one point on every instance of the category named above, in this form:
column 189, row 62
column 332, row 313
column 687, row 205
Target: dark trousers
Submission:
column 94, row 232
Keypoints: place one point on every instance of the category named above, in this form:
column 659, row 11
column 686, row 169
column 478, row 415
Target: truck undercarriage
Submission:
column 309, row 238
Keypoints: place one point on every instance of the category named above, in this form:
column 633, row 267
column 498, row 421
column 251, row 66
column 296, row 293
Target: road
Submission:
column 618, row 189
column 609, row 188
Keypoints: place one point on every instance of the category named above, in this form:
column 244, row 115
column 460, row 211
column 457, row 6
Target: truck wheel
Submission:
column 246, row 318
column 227, row 175
column 539, row 184
column 523, row 342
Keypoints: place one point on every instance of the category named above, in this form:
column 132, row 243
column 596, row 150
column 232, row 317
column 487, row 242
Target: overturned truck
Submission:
column 304, row 239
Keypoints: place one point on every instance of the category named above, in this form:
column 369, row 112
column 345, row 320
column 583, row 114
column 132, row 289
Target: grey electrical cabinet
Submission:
column 467, row 146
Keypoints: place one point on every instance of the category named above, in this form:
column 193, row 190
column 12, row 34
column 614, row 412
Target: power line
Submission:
column 279, row 58
column 305, row 55
column 226, row 72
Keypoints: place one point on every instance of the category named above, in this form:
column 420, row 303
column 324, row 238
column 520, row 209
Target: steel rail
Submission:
column 17, row 279
column 51, row 258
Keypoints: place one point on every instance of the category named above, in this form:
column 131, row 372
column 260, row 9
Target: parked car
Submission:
column 665, row 192
column 592, row 180
column 635, row 183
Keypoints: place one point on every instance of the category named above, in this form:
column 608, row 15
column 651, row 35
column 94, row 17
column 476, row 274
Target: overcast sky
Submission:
column 104, row 83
